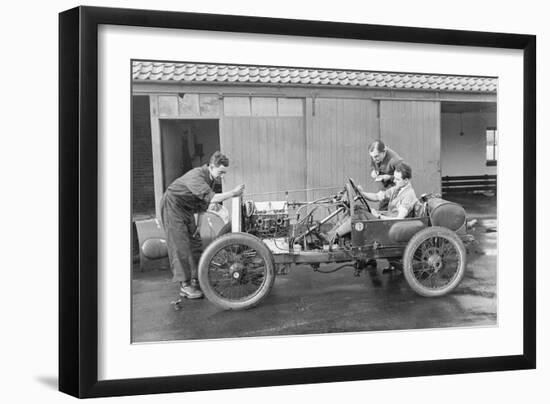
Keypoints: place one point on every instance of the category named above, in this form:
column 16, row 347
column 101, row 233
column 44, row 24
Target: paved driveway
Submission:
column 304, row 302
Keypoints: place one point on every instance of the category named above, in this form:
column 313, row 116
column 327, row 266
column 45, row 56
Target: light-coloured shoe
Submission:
column 190, row 292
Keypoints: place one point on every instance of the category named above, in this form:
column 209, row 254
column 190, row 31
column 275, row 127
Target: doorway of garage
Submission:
column 469, row 147
column 186, row 144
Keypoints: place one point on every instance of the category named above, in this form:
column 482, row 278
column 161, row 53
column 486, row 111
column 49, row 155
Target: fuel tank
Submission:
column 446, row 214
column 210, row 224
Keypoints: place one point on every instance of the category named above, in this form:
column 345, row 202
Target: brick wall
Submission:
column 143, row 193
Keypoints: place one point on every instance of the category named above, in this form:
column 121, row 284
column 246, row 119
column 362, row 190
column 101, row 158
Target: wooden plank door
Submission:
column 338, row 132
column 267, row 154
column 413, row 130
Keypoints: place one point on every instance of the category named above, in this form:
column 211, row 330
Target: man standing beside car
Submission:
column 383, row 163
column 189, row 194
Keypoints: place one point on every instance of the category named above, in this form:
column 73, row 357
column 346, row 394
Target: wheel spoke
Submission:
column 233, row 260
column 435, row 262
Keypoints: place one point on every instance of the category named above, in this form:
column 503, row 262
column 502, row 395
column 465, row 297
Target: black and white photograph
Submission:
column 272, row 201
column 275, row 202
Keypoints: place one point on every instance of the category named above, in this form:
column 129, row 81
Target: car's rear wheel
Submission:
column 434, row 261
column 236, row 271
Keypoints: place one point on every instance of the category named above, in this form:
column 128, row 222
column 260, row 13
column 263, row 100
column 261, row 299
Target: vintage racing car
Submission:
column 237, row 269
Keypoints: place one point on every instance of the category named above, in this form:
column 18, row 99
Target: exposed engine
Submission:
column 266, row 219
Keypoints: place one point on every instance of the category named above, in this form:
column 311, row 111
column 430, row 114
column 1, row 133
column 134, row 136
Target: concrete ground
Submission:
column 304, row 302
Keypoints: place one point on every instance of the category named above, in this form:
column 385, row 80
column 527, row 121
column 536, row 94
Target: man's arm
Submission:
column 403, row 209
column 373, row 197
column 401, row 214
column 373, row 169
column 391, row 168
column 217, row 198
column 385, row 177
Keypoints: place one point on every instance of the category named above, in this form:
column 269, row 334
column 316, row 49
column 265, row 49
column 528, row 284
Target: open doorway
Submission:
column 186, row 144
column 464, row 128
column 469, row 147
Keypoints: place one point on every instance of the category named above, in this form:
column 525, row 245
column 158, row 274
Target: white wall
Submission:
column 465, row 155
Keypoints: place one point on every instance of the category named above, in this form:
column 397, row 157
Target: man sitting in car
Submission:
column 401, row 200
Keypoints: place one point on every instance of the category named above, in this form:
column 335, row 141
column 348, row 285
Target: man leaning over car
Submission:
column 189, row 194
column 383, row 162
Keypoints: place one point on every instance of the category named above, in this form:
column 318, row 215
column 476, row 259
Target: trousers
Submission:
column 183, row 241
column 361, row 213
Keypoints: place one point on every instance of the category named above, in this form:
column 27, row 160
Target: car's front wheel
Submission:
column 236, row 271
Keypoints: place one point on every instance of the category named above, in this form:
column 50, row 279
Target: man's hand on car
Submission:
column 384, row 177
column 238, row 190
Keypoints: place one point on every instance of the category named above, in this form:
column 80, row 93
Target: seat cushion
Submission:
column 402, row 231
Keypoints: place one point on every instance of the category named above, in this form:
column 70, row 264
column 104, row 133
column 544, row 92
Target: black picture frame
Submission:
column 78, row 196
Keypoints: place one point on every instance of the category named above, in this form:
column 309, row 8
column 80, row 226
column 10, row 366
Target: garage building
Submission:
column 290, row 129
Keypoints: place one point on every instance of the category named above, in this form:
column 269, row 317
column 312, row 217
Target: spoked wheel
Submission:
column 236, row 271
column 434, row 261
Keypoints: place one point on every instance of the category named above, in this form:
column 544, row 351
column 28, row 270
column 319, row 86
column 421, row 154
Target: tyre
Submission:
column 434, row 261
column 236, row 271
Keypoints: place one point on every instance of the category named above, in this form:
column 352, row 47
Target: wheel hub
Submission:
column 435, row 262
column 236, row 271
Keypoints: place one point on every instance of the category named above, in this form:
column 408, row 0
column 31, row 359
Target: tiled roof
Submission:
column 238, row 74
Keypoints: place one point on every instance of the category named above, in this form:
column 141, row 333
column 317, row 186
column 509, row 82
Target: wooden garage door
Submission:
column 267, row 154
column 338, row 134
column 413, row 130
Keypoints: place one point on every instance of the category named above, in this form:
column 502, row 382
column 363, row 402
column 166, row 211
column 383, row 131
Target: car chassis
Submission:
column 237, row 270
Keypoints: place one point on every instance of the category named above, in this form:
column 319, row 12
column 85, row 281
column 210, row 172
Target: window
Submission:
column 492, row 146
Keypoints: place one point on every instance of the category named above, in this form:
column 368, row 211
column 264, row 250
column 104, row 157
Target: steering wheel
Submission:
column 359, row 194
